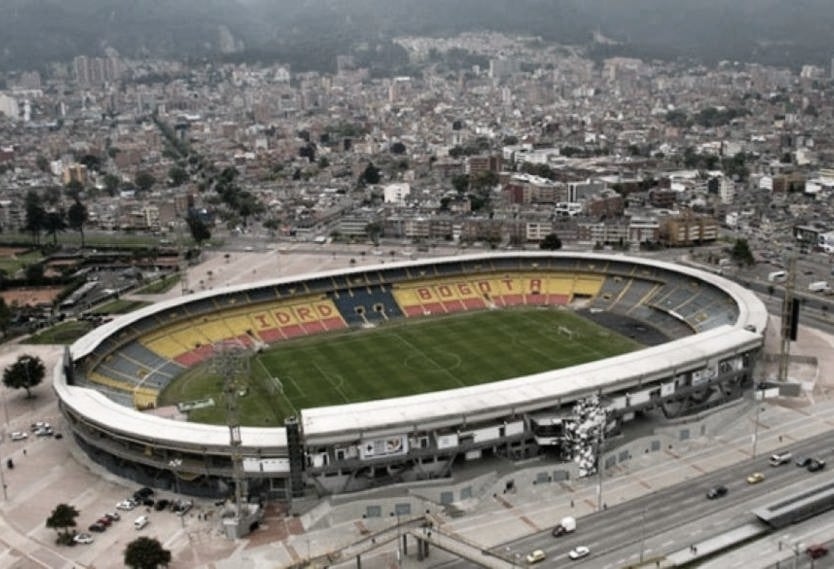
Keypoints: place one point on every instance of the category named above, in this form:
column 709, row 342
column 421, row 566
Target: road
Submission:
column 673, row 518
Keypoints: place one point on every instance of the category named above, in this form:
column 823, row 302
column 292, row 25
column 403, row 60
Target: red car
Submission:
column 816, row 551
column 105, row 521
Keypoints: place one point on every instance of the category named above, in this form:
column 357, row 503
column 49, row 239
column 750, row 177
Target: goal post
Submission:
column 565, row 331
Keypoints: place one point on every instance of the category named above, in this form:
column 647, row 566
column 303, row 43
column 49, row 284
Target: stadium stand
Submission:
column 365, row 305
column 612, row 289
column 262, row 294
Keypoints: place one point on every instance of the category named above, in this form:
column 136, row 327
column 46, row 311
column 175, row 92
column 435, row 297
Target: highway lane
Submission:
column 673, row 518
column 680, row 512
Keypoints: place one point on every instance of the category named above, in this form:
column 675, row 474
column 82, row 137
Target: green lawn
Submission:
column 403, row 358
column 63, row 333
column 11, row 265
column 120, row 306
column 160, row 286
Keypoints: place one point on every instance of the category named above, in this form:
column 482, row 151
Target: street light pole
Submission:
column 396, row 512
column 3, row 476
column 756, row 418
column 399, row 542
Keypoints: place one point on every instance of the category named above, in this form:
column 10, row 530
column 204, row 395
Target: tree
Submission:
column 248, row 205
column 91, row 161
column 483, row 180
column 55, row 222
column 35, row 215
column 741, row 253
column 73, row 189
column 308, row 151
column 461, row 183
column 398, row 148
column 146, row 553
column 5, row 316
column 144, row 181
column 199, row 230
column 27, row 372
column 370, row 175
column 111, row 184
column 42, row 162
column 551, row 242
column 77, row 217
column 62, row 517
column 177, row 175
column 34, row 273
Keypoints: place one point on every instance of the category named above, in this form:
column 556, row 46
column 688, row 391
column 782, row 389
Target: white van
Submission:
column 140, row 522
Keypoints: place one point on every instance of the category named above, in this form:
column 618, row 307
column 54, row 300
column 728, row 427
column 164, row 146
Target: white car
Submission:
column 126, row 505
column 83, row 538
column 579, row 552
column 18, row 435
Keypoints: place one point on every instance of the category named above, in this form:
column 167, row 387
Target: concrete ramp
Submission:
column 430, row 537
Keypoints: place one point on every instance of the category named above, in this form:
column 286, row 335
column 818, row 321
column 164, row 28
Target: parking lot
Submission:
column 48, row 471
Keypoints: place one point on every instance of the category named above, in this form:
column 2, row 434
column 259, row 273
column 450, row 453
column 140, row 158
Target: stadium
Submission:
column 692, row 340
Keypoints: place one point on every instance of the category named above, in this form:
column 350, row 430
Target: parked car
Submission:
column 142, row 493
column 97, row 527
column 717, row 492
column 82, row 538
column 755, row 478
column 105, row 521
column 113, row 516
column 44, row 432
column 141, row 522
column 816, row 551
column 579, row 552
column 161, row 504
column 18, row 435
column 181, row 507
column 126, row 505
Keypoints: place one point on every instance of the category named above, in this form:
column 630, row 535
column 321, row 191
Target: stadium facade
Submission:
column 705, row 335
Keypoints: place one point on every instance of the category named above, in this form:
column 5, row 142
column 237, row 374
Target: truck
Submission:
column 566, row 525
column 819, row 286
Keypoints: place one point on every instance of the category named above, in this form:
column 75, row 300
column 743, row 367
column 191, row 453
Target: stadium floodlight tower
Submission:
column 231, row 363
column 790, row 321
column 182, row 256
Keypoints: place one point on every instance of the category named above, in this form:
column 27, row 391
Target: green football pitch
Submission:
column 398, row 359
